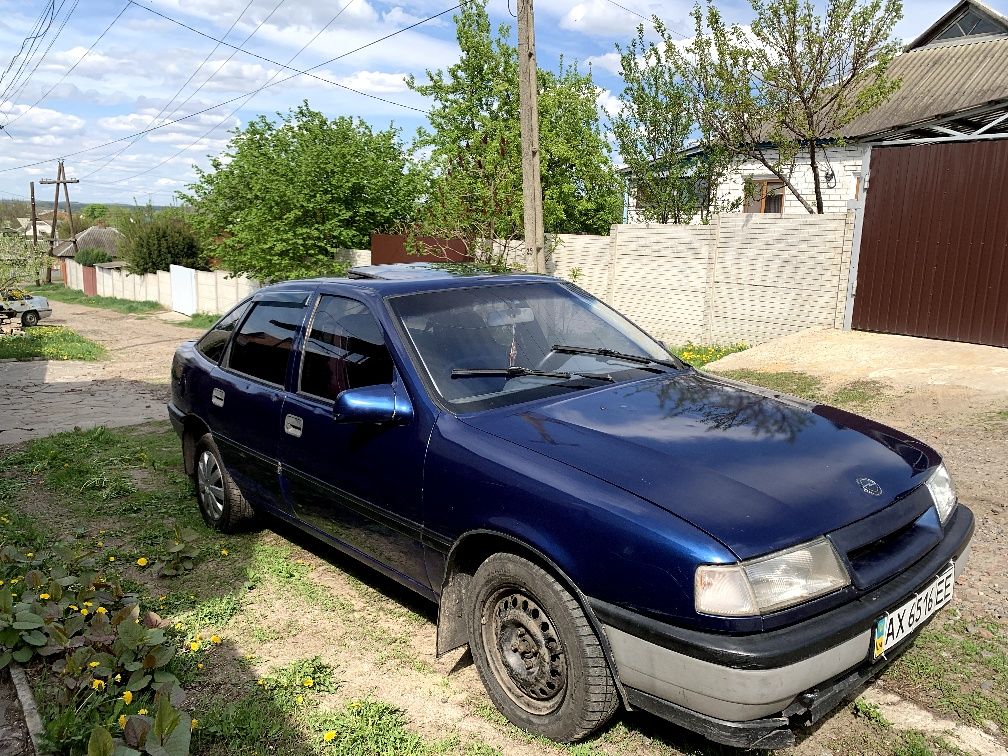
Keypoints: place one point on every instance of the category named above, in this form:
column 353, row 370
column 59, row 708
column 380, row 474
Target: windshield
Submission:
column 481, row 346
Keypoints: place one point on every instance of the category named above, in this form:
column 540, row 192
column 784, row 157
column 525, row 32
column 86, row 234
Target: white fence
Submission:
column 745, row 277
column 181, row 289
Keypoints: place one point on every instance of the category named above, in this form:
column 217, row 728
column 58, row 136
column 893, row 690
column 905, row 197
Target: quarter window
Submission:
column 262, row 346
column 345, row 349
column 215, row 340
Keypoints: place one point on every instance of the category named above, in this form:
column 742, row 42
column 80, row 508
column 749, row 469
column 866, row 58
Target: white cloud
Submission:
column 609, row 103
column 375, row 82
column 608, row 62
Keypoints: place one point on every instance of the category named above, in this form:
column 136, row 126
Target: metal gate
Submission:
column 933, row 256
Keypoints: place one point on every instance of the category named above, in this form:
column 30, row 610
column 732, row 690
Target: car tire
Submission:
column 221, row 503
column 29, row 319
column 540, row 661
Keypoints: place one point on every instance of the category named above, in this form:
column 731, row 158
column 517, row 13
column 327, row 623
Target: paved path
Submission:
column 904, row 361
column 130, row 386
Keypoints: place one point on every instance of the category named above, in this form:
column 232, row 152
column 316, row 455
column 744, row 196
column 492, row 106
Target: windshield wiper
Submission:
column 603, row 352
column 519, row 372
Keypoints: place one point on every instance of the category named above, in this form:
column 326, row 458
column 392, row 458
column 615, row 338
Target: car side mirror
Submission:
column 372, row 404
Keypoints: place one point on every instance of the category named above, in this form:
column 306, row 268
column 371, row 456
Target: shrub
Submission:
column 92, row 256
column 162, row 242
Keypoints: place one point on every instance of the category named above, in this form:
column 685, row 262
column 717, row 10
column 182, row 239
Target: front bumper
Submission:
column 752, row 691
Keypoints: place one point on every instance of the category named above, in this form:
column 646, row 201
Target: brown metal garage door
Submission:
column 934, row 244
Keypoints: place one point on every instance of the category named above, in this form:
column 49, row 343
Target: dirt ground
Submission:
column 966, row 419
column 130, row 386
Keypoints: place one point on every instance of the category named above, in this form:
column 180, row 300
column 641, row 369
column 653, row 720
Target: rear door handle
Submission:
column 293, row 425
column 217, row 398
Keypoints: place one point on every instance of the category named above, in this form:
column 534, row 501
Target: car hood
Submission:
column 756, row 470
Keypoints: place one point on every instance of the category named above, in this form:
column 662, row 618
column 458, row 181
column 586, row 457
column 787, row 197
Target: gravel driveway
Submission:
column 130, row 386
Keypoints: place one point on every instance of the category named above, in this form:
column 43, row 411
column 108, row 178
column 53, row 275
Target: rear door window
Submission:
column 261, row 349
column 345, row 349
column 215, row 340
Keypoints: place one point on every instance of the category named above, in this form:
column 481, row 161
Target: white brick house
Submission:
column 954, row 84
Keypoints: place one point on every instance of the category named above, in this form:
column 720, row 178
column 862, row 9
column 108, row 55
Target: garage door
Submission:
column 934, row 244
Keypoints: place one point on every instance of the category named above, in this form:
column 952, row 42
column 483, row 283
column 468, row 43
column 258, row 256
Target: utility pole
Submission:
column 528, row 102
column 34, row 219
column 60, row 180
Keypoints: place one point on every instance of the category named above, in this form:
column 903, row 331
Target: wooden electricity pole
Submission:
column 60, row 180
column 34, row 220
column 528, row 102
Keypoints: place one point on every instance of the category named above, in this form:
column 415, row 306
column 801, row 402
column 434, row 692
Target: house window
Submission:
column 968, row 24
column 767, row 197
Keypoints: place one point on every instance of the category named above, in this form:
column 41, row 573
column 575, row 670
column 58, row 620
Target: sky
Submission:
column 146, row 70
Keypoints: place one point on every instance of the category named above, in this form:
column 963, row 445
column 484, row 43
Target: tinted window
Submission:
column 262, row 346
column 215, row 340
column 345, row 349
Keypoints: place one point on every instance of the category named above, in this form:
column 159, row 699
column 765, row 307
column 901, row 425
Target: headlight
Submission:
column 942, row 492
column 769, row 583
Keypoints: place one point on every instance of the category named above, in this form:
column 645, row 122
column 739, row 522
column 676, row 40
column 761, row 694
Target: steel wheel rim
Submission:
column 210, row 484
column 524, row 651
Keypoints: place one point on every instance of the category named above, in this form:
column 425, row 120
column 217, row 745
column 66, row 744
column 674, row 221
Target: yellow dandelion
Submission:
column 329, row 736
column 199, row 666
column 224, row 552
column 194, row 724
column 93, row 664
column 162, row 598
column 128, row 697
column 142, row 561
column 142, row 712
column 111, row 558
column 101, row 610
column 88, row 603
column 44, row 596
column 215, row 639
column 307, row 682
column 260, row 681
column 84, row 611
column 299, row 699
column 117, row 678
column 98, row 684
column 122, row 721
column 30, row 554
column 195, row 646
column 73, row 607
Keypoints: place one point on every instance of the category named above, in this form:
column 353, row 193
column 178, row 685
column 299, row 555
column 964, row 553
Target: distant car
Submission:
column 598, row 521
column 30, row 309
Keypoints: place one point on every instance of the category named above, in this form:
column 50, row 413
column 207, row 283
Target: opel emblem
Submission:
column 870, row 487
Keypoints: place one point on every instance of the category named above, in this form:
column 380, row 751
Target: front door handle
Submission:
column 217, row 398
column 293, row 425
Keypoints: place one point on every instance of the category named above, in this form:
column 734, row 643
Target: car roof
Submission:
column 405, row 278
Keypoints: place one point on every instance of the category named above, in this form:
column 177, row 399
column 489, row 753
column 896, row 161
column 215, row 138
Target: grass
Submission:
column 859, row 394
column 698, row 355
column 49, row 342
column 201, row 320
column 62, row 293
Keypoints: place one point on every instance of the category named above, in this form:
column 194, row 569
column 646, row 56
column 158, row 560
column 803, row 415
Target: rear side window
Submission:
column 215, row 340
column 345, row 349
column 263, row 344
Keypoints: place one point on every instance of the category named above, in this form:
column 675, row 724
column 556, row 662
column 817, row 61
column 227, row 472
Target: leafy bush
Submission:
column 92, row 256
column 163, row 241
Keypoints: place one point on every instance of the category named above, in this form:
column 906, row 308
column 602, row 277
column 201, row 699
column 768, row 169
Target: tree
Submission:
column 791, row 82
column 21, row 261
column 653, row 128
column 474, row 143
column 164, row 240
column 95, row 212
column 286, row 196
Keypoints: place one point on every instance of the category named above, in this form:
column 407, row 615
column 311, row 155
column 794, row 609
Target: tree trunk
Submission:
column 813, row 161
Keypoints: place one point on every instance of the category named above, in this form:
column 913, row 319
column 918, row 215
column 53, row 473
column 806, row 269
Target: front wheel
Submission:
column 539, row 659
column 29, row 319
column 220, row 501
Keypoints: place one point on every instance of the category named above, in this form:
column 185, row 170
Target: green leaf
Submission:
column 101, row 743
column 138, row 681
column 22, row 655
column 5, row 659
column 34, row 638
column 166, row 719
column 27, row 621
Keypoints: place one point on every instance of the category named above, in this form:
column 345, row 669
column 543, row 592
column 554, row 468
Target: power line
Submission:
column 32, row 36
column 632, row 12
column 240, row 105
column 52, row 42
column 35, row 45
column 239, row 97
column 68, row 72
column 184, row 85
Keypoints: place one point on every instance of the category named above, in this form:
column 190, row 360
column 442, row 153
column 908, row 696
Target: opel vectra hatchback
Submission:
column 600, row 523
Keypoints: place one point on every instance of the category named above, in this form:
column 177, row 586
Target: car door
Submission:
column 246, row 393
column 359, row 483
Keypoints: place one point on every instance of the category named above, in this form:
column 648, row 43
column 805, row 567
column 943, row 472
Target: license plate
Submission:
column 901, row 623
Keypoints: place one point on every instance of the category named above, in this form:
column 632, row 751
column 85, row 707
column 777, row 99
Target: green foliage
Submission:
column 166, row 239
column 698, row 355
column 288, row 195
column 474, row 169
column 181, row 552
column 654, row 125
column 92, row 256
column 72, row 296
column 49, row 342
column 201, row 320
column 793, row 79
column 21, row 261
column 95, row 211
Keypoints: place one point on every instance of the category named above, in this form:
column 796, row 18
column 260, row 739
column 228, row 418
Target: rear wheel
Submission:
column 29, row 319
column 536, row 653
column 220, row 501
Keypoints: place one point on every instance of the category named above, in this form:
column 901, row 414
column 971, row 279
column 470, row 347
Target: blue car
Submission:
column 600, row 523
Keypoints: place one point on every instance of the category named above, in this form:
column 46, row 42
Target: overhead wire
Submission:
column 36, row 42
column 32, row 35
column 127, row 137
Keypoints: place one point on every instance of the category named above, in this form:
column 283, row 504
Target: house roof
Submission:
column 101, row 237
column 967, row 17
column 942, row 80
